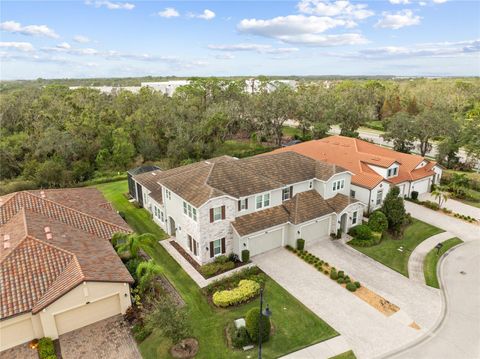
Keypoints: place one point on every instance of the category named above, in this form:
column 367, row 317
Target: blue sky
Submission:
column 107, row 38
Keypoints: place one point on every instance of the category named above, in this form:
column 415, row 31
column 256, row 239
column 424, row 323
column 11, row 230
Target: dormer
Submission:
column 393, row 170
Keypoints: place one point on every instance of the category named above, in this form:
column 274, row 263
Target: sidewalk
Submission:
column 415, row 262
column 323, row 350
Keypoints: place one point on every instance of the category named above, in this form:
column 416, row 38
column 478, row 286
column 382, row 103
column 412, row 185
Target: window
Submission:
column 287, row 193
column 217, row 247
column 338, row 185
column 190, row 211
column 352, row 193
column 379, row 197
column 162, row 218
column 310, row 184
column 392, row 172
column 395, row 171
column 217, row 213
column 354, row 218
column 243, row 204
column 192, row 245
column 168, row 194
column 263, row 200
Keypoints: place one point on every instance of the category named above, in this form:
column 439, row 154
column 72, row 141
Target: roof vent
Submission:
column 154, row 174
column 6, row 237
column 42, row 194
column 6, row 245
column 207, row 162
column 49, row 236
column 47, row 229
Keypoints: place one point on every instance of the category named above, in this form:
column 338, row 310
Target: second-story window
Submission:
column 217, row 214
column 243, row 204
column 262, row 200
column 392, row 172
column 287, row 193
column 168, row 194
column 338, row 185
column 190, row 211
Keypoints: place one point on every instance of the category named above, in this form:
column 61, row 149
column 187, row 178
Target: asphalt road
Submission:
column 458, row 335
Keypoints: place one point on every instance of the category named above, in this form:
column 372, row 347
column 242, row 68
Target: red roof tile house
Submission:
column 375, row 169
column 58, row 270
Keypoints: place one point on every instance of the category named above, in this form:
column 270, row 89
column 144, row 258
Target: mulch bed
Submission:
column 195, row 264
column 187, row 348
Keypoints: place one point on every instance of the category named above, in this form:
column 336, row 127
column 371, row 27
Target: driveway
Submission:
column 368, row 332
column 461, row 229
column 455, row 206
column 458, row 335
column 107, row 339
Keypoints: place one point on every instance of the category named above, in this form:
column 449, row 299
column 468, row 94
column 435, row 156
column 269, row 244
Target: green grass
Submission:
column 431, row 261
column 375, row 125
column 346, row 355
column 240, row 149
column 295, row 326
column 291, row 131
column 387, row 251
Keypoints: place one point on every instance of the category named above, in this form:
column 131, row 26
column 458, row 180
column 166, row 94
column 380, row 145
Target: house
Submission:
column 132, row 186
column 375, row 169
column 226, row 205
column 58, row 270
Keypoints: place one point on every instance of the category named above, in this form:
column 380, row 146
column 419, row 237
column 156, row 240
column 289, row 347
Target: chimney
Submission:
column 49, row 236
column 47, row 229
column 48, row 233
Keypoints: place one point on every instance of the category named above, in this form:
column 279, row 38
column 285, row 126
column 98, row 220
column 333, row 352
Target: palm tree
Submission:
column 146, row 272
column 441, row 195
column 133, row 242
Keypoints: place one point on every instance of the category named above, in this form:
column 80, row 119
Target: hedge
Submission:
column 246, row 290
column 376, row 239
column 252, row 320
column 46, row 349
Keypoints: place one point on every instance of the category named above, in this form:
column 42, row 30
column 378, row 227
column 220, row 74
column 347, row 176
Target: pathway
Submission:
column 455, row 206
column 323, row 350
column 417, row 257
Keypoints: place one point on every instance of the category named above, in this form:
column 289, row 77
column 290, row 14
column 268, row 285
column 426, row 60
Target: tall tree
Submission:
column 400, row 129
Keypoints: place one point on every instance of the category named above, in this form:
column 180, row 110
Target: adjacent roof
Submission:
column 357, row 156
column 142, row 169
column 51, row 241
column 303, row 207
column 198, row 182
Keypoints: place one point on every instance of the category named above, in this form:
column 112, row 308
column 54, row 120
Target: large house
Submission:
column 227, row 205
column 375, row 169
column 58, row 270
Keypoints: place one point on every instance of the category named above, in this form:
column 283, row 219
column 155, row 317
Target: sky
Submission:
column 109, row 38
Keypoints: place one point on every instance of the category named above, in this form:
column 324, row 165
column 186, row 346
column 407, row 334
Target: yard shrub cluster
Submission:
column 46, row 349
column 240, row 337
column 414, row 195
column 378, row 222
column 232, row 281
column 337, row 275
column 253, row 321
column 246, row 290
column 219, row 265
column 394, row 209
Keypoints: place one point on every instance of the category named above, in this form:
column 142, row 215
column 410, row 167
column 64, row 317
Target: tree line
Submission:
column 54, row 136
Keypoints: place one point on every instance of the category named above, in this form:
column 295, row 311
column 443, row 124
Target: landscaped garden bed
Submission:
column 436, row 207
column 432, row 258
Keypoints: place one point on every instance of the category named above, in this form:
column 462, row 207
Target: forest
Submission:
column 52, row 136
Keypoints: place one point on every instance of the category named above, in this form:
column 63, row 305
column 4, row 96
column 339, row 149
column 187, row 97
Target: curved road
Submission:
column 458, row 335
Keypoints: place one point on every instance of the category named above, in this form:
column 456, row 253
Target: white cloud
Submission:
column 81, row 39
column 440, row 1
column 263, row 49
column 111, row 5
column 205, row 15
column 399, row 2
column 168, row 12
column 398, row 20
column 341, row 8
column 21, row 46
column 422, row 3
column 30, row 30
column 326, row 40
column 64, row 45
column 226, row 56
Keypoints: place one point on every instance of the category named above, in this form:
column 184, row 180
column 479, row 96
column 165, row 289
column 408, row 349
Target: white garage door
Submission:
column 87, row 314
column 15, row 334
column 421, row 186
column 315, row 231
column 265, row 242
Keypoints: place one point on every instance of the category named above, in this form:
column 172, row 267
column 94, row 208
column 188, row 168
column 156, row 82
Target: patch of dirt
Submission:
column 187, row 348
column 414, row 326
column 376, row 301
column 171, row 291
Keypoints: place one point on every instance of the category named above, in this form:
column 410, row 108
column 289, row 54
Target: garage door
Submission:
column 421, row 186
column 87, row 314
column 265, row 242
column 15, row 334
column 315, row 231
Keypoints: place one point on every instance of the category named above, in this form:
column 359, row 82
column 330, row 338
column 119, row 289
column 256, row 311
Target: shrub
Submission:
column 333, row 274
column 351, row 287
column 340, row 280
column 232, row 257
column 394, row 209
column 431, row 205
column 245, row 290
column 211, row 269
column 252, row 323
column 341, row 274
column 378, row 222
column 300, row 244
column 289, row 247
column 363, row 232
column 414, row 195
column 221, row 259
column 325, row 272
column 240, row 338
column 46, row 348
column 357, row 284
column 347, row 279
column 140, row 333
column 245, row 255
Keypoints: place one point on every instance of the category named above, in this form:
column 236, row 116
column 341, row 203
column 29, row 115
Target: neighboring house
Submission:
column 132, row 186
column 374, row 168
column 58, row 270
column 225, row 205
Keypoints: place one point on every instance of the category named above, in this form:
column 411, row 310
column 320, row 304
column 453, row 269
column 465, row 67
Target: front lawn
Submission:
column 295, row 326
column 346, row 355
column 387, row 251
column 431, row 261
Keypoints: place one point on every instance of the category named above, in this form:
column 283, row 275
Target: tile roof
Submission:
column 47, row 248
column 356, row 155
column 198, row 182
column 303, row 207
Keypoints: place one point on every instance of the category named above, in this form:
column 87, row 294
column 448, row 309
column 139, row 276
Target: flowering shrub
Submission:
column 246, row 290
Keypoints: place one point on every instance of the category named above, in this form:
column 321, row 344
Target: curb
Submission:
column 439, row 323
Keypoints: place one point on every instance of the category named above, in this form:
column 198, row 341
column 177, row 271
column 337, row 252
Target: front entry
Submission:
column 173, row 230
column 343, row 223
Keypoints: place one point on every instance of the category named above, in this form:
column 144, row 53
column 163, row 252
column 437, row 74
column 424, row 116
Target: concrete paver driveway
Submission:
column 107, row 339
column 369, row 332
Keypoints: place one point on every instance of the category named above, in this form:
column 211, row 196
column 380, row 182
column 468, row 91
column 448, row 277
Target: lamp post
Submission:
column 267, row 313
